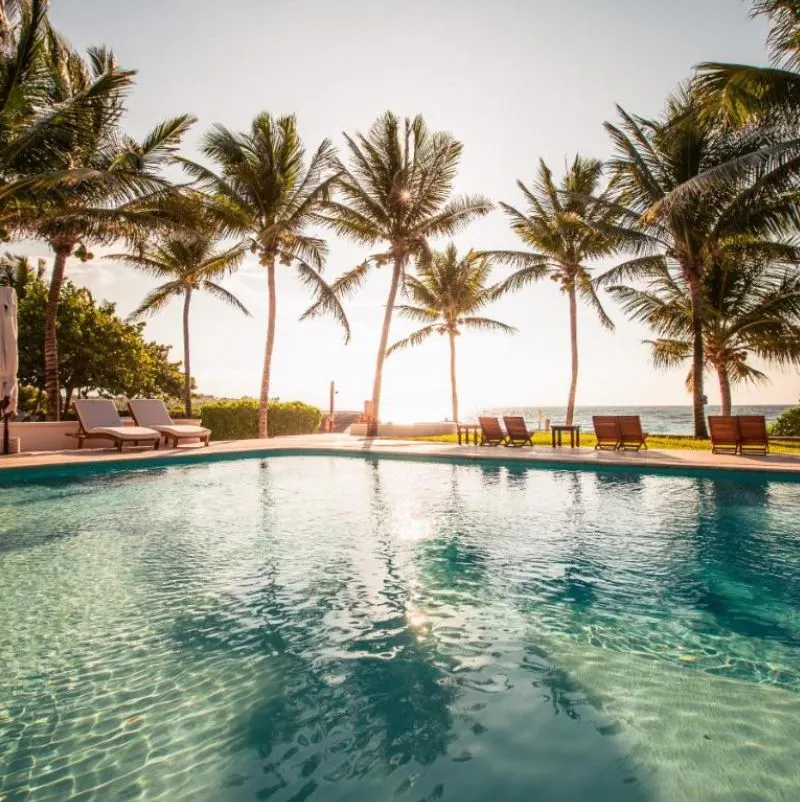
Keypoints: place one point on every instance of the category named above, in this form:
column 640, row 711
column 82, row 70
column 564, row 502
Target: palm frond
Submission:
column 326, row 300
column 414, row 339
column 226, row 296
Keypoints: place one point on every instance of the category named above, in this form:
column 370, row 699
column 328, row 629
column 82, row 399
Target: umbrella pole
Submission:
column 4, row 405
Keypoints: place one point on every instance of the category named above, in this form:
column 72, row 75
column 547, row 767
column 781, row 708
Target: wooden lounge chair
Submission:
column 724, row 434
column 518, row 434
column 491, row 433
column 752, row 434
column 98, row 419
column 631, row 436
column 153, row 413
column 606, row 429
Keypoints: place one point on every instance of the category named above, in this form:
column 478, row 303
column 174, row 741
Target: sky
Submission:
column 514, row 80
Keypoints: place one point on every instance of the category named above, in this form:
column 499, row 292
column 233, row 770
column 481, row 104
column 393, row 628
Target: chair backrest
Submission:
column 94, row 412
column 724, row 429
column 752, row 429
column 491, row 428
column 150, row 412
column 630, row 427
column 606, row 427
column 515, row 426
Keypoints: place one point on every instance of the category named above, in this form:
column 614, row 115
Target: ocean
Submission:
column 656, row 420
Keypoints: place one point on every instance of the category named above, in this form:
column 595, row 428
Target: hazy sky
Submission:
column 513, row 80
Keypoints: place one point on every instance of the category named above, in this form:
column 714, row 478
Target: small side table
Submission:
column 574, row 434
column 463, row 429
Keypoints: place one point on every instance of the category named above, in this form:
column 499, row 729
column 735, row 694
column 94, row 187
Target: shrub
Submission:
column 238, row 420
column 788, row 424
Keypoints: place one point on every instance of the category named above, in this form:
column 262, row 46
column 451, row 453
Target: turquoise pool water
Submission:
column 327, row 628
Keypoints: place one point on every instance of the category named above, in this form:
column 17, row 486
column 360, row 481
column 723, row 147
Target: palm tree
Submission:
column 748, row 309
column 565, row 226
column 652, row 159
column 36, row 124
column 16, row 271
column 448, row 292
column 187, row 263
column 264, row 190
column 115, row 187
column 397, row 190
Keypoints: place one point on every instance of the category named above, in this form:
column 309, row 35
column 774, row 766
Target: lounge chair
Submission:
column 631, row 436
column 752, row 434
column 491, row 433
column 724, row 434
column 98, row 419
column 606, row 429
column 153, row 413
column 518, row 434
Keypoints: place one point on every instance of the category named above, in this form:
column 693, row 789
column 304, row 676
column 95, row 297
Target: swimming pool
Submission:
column 329, row 628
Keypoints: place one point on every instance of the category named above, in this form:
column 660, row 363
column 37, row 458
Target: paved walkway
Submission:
column 344, row 444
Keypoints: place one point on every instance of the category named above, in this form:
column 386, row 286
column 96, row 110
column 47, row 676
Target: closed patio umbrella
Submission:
column 9, row 358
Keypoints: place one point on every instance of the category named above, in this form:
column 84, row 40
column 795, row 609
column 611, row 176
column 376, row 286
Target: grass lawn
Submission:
column 588, row 440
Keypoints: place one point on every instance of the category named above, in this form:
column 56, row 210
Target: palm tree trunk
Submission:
column 67, row 398
column 187, row 371
column 263, row 409
column 573, row 341
column 453, row 389
column 698, row 361
column 724, row 388
column 51, row 384
column 399, row 264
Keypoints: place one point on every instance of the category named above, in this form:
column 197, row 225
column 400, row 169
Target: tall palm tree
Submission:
column 748, row 309
column 565, row 226
column 188, row 263
column 397, row 190
column 652, row 159
column 115, row 188
column 264, row 190
column 448, row 292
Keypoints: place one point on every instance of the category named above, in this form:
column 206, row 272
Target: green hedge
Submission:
column 788, row 424
column 238, row 420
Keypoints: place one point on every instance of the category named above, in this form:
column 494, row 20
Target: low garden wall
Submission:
column 54, row 435
column 406, row 429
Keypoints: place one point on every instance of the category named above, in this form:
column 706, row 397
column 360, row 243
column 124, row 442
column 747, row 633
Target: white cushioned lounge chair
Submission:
column 153, row 414
column 98, row 419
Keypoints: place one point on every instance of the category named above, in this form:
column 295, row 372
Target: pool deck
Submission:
column 348, row 445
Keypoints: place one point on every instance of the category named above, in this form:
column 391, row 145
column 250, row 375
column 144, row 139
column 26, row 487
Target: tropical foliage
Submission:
column 448, row 292
column 736, row 222
column 565, row 226
column 396, row 191
column 697, row 207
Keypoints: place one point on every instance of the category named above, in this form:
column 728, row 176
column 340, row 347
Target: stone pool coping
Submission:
column 348, row 445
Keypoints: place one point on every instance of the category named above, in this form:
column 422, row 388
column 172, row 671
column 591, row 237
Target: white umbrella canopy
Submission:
column 9, row 355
